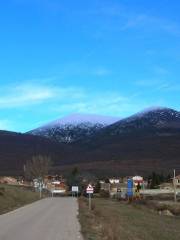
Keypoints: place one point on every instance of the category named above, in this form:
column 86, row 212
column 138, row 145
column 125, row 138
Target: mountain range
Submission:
column 74, row 127
column 145, row 142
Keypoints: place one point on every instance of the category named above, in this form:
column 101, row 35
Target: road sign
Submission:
column 75, row 189
column 130, row 187
column 39, row 185
column 89, row 189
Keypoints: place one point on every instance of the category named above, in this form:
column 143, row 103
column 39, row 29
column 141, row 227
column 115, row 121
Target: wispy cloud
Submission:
column 81, row 68
column 158, row 85
column 150, row 23
column 150, row 83
column 107, row 103
column 27, row 94
column 161, row 70
column 59, row 101
column 128, row 18
column 135, row 21
column 65, row 100
column 170, row 87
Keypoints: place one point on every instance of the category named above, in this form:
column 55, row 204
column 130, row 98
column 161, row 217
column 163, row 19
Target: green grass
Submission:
column 12, row 197
column 112, row 220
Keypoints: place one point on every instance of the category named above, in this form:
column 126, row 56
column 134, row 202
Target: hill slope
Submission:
column 16, row 149
column 155, row 121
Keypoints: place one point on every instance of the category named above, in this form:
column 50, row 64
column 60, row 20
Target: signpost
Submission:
column 40, row 187
column 129, row 188
column 89, row 191
column 75, row 191
column 174, row 183
column 38, row 184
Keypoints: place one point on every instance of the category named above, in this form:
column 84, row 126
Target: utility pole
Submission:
column 174, row 183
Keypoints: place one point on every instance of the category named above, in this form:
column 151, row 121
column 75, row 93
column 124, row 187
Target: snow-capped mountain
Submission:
column 155, row 114
column 74, row 127
column 145, row 142
column 154, row 120
column 158, row 120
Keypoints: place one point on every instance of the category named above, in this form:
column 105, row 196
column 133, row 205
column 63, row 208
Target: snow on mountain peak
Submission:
column 78, row 126
column 74, row 127
column 152, row 110
column 78, row 118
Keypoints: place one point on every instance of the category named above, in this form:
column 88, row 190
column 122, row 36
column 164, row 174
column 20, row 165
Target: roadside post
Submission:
column 75, row 191
column 40, row 191
column 174, row 184
column 130, row 189
column 89, row 191
column 40, row 183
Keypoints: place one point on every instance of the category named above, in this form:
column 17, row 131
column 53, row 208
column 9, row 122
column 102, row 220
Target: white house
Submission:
column 114, row 180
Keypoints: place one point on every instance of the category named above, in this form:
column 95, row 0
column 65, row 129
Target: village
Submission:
column 124, row 188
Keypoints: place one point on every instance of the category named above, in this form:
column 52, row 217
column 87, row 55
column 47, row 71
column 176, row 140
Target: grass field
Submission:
column 112, row 220
column 12, row 197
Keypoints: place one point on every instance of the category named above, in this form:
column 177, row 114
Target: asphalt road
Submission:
column 48, row 219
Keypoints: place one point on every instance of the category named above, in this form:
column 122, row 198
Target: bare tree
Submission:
column 37, row 167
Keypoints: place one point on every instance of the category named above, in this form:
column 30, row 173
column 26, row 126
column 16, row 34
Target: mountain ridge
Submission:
column 69, row 129
column 73, row 127
column 145, row 142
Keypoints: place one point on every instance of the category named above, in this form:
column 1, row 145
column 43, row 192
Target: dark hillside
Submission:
column 16, row 149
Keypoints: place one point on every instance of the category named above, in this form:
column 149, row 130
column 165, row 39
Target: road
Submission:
column 48, row 219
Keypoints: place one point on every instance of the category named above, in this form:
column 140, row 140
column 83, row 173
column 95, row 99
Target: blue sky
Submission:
column 113, row 57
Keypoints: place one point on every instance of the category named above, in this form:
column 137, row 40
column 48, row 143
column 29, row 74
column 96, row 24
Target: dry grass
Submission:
column 112, row 220
column 12, row 197
column 90, row 225
column 174, row 208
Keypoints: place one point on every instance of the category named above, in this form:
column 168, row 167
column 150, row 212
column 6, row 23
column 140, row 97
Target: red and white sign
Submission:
column 89, row 189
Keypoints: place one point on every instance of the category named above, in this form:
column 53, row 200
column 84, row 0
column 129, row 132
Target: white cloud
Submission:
column 65, row 100
column 27, row 94
column 107, row 103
